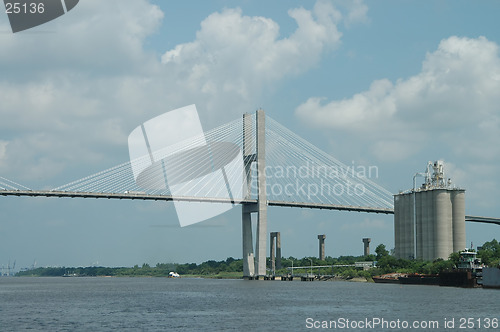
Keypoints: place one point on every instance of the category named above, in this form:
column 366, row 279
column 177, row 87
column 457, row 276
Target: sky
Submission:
column 389, row 84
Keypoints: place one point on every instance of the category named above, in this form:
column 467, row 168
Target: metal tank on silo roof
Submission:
column 458, row 217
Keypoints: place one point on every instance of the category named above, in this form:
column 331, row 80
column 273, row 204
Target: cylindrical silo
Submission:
column 401, row 222
column 408, row 245
column 443, row 223
column 458, row 217
column 419, row 212
column 404, row 231
column 411, row 227
column 427, row 225
column 397, row 225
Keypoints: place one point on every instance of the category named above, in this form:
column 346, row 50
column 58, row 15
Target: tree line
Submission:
column 231, row 267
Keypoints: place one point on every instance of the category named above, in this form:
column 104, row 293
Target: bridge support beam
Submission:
column 258, row 269
column 248, row 256
column 260, row 248
column 247, row 209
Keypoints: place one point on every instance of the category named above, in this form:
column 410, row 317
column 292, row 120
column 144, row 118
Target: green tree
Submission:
column 490, row 252
column 454, row 258
column 381, row 251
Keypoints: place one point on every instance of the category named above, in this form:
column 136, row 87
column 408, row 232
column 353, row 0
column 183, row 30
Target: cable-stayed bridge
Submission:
column 276, row 168
column 297, row 174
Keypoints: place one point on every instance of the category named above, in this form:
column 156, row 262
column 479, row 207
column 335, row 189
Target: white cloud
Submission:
column 92, row 80
column 97, row 37
column 357, row 11
column 234, row 57
column 3, row 150
column 453, row 102
column 450, row 110
column 69, row 94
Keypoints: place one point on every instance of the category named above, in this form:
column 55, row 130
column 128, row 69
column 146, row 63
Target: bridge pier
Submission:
column 275, row 253
column 366, row 247
column 247, row 209
column 248, row 256
column 254, row 266
column 260, row 248
column 321, row 239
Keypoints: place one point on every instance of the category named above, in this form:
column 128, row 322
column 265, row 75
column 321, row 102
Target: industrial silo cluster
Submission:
column 429, row 222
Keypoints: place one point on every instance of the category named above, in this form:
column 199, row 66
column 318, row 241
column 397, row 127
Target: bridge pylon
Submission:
column 254, row 266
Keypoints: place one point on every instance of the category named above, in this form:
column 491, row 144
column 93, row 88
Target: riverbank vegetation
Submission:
column 233, row 268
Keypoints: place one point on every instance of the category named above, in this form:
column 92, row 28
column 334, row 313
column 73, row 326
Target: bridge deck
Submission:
column 143, row 196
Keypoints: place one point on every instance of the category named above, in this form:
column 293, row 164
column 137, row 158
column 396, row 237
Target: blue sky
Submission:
column 392, row 84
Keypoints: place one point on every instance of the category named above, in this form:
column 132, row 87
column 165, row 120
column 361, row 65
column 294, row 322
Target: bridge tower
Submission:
column 254, row 266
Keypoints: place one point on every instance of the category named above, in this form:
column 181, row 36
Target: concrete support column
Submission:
column 366, row 242
column 275, row 252
column 278, row 250
column 272, row 254
column 246, row 215
column 248, row 256
column 260, row 248
column 321, row 239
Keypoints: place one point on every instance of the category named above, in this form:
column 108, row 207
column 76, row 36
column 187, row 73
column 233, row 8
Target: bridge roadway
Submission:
column 143, row 196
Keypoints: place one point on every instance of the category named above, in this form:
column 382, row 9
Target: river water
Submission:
column 161, row 304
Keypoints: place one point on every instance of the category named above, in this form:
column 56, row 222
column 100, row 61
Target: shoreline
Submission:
column 190, row 276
